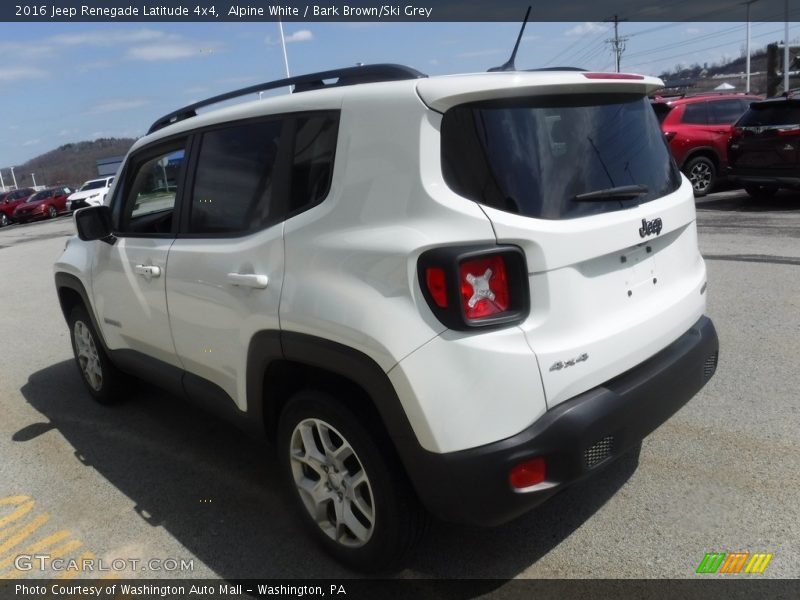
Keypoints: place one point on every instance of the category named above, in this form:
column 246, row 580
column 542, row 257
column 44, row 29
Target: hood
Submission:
column 87, row 194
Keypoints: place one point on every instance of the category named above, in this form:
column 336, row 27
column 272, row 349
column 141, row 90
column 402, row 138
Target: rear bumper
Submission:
column 576, row 438
column 761, row 178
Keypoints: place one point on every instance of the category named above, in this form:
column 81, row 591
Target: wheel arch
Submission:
column 71, row 293
column 282, row 363
column 705, row 151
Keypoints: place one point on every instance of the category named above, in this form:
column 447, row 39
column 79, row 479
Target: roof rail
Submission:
column 301, row 83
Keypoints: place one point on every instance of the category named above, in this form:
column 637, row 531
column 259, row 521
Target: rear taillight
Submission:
column 484, row 287
column 791, row 130
column 470, row 287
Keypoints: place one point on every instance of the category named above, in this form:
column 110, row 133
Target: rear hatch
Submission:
column 766, row 139
column 573, row 168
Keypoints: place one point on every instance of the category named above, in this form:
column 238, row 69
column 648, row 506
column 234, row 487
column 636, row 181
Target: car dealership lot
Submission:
column 154, row 479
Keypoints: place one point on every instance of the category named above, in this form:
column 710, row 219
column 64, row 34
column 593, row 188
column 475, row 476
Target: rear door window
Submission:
column 724, row 112
column 533, row 156
column 695, row 114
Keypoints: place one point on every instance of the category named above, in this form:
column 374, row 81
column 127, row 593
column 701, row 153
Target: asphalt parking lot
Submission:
column 152, row 479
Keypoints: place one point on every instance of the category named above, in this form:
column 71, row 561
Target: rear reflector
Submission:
column 527, row 474
column 612, row 76
column 484, row 286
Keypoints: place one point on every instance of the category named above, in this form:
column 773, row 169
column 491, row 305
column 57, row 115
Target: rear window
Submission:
column 772, row 113
column 533, row 156
column 662, row 110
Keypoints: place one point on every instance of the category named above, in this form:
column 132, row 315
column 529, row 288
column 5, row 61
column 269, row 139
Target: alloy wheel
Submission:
column 332, row 483
column 700, row 176
column 88, row 357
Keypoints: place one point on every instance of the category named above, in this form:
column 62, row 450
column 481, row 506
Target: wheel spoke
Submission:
column 358, row 530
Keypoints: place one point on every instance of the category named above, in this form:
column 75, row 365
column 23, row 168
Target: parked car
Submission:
column 764, row 151
column 407, row 285
column 91, row 193
column 698, row 129
column 9, row 201
column 43, row 205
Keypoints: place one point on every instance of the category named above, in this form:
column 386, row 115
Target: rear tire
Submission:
column 352, row 493
column 702, row 173
column 761, row 192
column 52, row 212
column 103, row 380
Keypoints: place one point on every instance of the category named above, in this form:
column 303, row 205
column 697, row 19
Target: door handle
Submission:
column 255, row 280
column 148, row 271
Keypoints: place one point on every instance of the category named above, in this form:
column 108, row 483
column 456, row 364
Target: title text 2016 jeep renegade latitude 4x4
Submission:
column 460, row 293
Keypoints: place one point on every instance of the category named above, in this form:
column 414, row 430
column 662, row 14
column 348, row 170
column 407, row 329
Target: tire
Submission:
column 4, row 220
column 761, row 192
column 370, row 525
column 702, row 173
column 51, row 212
column 103, row 380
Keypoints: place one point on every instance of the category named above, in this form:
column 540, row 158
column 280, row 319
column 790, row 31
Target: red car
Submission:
column 9, row 201
column 41, row 205
column 697, row 129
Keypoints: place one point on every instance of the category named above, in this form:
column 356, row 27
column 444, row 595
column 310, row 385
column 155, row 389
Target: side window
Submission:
column 724, row 112
column 695, row 114
column 312, row 164
column 150, row 189
column 234, row 185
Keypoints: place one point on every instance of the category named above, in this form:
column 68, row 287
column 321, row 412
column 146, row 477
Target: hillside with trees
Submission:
column 70, row 164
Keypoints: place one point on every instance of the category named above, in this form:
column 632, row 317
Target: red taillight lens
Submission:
column 528, row 474
column 434, row 277
column 736, row 133
column 484, row 286
column 784, row 131
column 612, row 76
column 669, row 135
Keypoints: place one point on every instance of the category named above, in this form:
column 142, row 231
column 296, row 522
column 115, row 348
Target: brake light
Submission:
column 528, row 474
column 484, row 287
column 434, row 277
column 475, row 287
column 793, row 130
column 612, row 76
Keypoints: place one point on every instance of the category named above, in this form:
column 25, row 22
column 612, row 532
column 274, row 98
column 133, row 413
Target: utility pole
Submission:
column 14, row 177
column 34, row 180
column 747, row 85
column 786, row 47
column 2, row 183
column 618, row 43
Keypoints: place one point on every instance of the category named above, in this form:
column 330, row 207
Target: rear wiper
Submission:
column 620, row 192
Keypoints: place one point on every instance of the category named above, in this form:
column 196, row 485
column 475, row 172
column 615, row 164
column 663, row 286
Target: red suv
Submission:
column 697, row 129
column 9, row 201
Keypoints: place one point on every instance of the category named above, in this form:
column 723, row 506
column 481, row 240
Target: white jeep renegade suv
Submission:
column 449, row 295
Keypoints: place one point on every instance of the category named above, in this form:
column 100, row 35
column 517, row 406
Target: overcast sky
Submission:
column 67, row 82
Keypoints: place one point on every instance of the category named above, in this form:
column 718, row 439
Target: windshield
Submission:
column 93, row 185
column 533, row 156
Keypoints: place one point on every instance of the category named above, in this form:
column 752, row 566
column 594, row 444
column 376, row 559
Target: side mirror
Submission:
column 94, row 223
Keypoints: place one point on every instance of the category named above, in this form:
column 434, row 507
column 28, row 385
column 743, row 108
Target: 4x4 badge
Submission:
column 650, row 227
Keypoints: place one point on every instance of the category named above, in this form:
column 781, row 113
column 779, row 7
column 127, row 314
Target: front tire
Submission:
column 351, row 491
column 102, row 378
column 4, row 220
column 702, row 173
column 52, row 212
